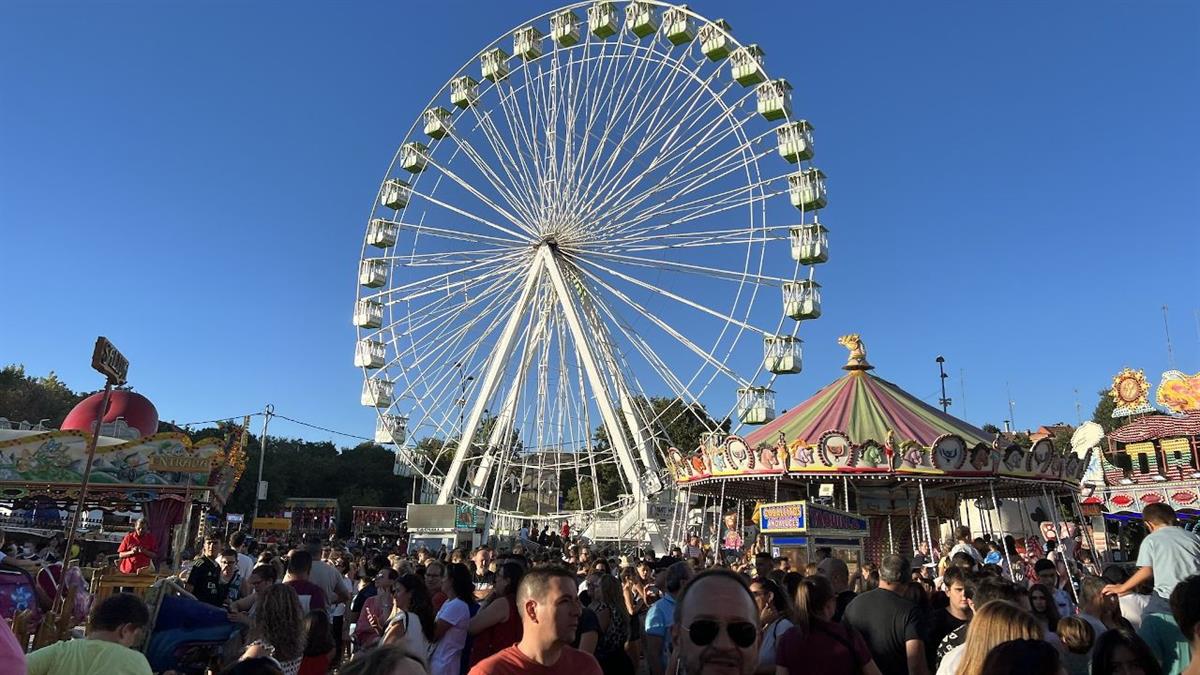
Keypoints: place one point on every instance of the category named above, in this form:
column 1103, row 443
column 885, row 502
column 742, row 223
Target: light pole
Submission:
column 944, row 400
column 262, row 459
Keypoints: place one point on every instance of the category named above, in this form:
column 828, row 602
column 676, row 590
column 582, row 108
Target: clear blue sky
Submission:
column 1013, row 185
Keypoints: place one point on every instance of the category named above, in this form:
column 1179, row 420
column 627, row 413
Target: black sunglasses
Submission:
column 703, row 631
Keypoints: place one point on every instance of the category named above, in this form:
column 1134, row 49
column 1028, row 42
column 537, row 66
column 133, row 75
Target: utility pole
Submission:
column 1167, row 331
column 944, row 400
column 1078, row 410
column 262, row 458
column 962, row 384
column 1012, row 417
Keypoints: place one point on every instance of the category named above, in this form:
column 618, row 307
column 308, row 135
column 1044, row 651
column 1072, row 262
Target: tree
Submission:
column 1102, row 414
column 991, row 429
column 34, row 399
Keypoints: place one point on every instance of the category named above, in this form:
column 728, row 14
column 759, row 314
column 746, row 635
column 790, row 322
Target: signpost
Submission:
column 113, row 365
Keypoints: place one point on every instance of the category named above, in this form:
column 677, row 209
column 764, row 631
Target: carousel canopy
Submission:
column 866, row 407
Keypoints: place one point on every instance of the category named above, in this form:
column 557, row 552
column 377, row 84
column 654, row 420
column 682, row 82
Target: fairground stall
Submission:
column 163, row 477
column 315, row 516
column 1153, row 458
column 867, row 447
column 384, row 522
column 797, row 530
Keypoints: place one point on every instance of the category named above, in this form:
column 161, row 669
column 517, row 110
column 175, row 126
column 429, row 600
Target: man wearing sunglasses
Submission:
column 716, row 629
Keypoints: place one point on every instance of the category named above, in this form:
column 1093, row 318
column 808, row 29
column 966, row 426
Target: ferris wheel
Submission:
column 594, row 212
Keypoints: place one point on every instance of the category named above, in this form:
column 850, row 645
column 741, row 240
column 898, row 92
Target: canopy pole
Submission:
column 891, row 537
column 1060, row 546
column 1085, row 525
column 1003, row 543
column 912, row 521
column 925, row 517
column 719, row 524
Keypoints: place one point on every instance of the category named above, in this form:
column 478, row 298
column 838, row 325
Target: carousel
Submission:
column 862, row 468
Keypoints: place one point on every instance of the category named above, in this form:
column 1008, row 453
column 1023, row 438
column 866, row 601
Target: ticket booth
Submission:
column 797, row 530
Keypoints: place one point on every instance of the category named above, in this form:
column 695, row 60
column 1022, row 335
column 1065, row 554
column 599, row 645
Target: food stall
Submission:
column 438, row 526
column 797, row 530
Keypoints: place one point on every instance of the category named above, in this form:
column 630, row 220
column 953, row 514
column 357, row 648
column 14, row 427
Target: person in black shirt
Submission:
column 890, row 624
column 979, row 594
column 204, row 580
column 959, row 586
column 839, row 577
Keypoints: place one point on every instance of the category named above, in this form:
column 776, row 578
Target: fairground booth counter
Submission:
column 895, row 465
column 797, row 530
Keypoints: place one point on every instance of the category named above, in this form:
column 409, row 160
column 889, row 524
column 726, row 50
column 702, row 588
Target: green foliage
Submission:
column 1102, row 414
column 991, row 429
column 675, row 424
column 358, row 476
column 33, row 399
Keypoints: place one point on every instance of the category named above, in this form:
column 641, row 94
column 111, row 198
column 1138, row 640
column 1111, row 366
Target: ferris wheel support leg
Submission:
column 502, row 427
column 494, row 368
column 633, row 416
column 612, row 424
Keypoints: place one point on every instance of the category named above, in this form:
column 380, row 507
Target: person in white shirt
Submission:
column 450, row 629
column 237, row 542
column 964, row 545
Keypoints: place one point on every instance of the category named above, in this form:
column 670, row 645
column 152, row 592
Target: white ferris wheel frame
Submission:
column 524, row 203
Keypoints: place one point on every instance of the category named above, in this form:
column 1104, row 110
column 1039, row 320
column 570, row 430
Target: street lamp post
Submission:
column 944, row 400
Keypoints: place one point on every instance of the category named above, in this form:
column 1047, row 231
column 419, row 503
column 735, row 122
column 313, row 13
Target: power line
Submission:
column 222, row 419
column 325, row 429
column 282, row 417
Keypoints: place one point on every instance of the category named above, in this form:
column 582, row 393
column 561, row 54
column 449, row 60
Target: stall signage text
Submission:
column 784, row 517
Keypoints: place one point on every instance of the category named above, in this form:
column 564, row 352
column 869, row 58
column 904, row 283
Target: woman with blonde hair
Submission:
column 994, row 624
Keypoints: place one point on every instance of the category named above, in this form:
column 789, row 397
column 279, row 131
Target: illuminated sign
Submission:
column 782, row 517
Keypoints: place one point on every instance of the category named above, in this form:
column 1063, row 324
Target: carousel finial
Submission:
column 857, row 360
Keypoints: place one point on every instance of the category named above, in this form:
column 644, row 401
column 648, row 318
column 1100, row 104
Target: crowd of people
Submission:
column 322, row 607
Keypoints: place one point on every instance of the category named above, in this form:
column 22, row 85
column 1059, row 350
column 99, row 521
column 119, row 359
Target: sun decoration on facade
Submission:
column 1130, row 392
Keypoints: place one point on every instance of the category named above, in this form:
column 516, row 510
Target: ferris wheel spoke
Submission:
column 700, row 170
column 424, row 282
column 515, row 236
column 631, row 80
column 522, row 131
column 633, row 84
column 422, row 345
column 664, row 326
column 671, row 205
column 518, row 156
column 668, row 294
column 681, row 390
column 648, row 136
column 699, row 207
column 700, row 270
column 464, row 257
column 439, row 312
column 466, row 185
column 659, row 237
column 500, row 185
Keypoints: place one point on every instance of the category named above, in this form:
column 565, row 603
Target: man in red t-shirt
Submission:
column 548, row 601
column 138, row 549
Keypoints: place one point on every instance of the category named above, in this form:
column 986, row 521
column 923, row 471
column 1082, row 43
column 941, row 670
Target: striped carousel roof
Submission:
column 865, row 407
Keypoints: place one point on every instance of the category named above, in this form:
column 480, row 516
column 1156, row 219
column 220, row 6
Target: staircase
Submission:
column 640, row 523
